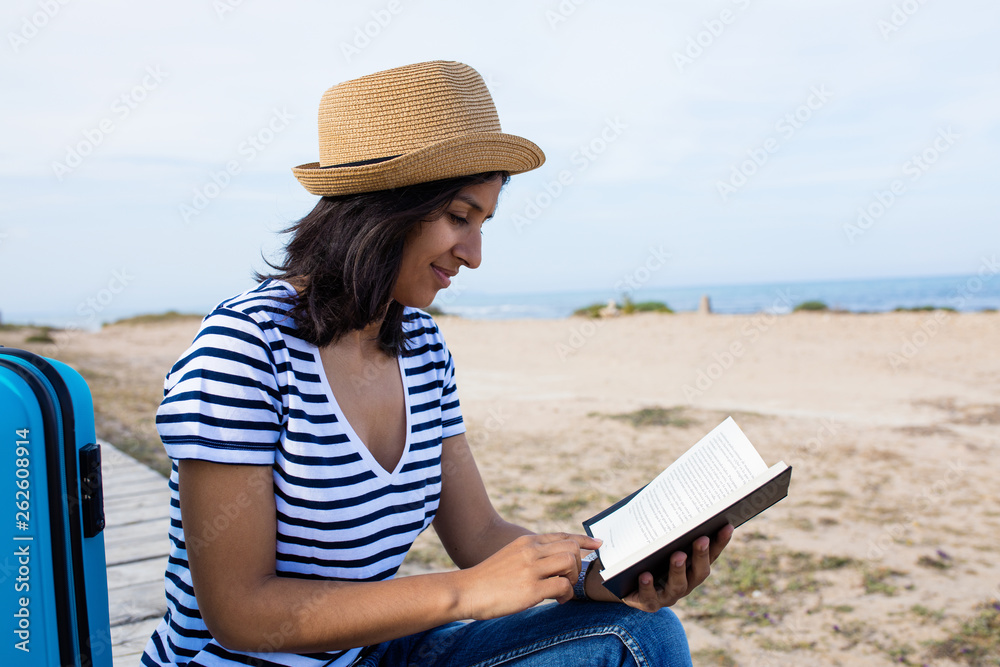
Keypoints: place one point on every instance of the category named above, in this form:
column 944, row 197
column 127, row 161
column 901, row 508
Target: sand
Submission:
column 890, row 421
column 887, row 546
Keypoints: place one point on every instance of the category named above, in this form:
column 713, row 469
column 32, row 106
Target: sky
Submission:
column 147, row 152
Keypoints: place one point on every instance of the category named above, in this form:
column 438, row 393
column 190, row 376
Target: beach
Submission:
column 886, row 549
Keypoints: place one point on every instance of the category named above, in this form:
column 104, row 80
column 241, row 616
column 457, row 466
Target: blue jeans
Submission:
column 594, row 634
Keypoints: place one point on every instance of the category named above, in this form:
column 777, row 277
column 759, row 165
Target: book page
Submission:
column 721, row 462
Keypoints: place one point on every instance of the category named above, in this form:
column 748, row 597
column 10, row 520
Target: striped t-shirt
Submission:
column 249, row 391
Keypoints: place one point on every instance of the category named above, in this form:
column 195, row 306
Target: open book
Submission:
column 721, row 479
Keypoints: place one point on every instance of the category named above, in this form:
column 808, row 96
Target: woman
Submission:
column 315, row 430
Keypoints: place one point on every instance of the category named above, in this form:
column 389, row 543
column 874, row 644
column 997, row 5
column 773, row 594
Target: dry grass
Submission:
column 653, row 416
column 976, row 640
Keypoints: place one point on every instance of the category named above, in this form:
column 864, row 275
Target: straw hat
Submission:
column 410, row 125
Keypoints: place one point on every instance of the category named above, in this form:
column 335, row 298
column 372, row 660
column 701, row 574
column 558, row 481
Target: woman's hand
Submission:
column 682, row 578
column 527, row 571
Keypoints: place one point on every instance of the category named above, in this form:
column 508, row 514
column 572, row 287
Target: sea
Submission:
column 961, row 293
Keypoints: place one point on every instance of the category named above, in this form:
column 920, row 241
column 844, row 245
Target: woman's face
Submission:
column 435, row 250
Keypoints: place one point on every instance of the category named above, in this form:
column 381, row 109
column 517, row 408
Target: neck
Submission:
column 361, row 343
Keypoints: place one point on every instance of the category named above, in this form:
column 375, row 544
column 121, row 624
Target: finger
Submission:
column 648, row 592
column 583, row 541
column 578, row 543
column 646, row 597
column 546, row 550
column 556, row 588
column 700, row 564
column 563, row 564
column 721, row 540
column 677, row 582
column 587, row 542
column 545, row 538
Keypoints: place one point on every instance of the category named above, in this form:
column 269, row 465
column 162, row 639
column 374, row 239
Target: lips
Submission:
column 444, row 277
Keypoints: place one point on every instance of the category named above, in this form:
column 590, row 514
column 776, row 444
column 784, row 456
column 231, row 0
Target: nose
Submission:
column 469, row 249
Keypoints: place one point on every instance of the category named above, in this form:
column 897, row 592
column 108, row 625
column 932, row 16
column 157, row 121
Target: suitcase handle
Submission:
column 91, row 490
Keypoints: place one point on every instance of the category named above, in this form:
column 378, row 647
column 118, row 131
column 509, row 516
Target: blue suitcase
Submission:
column 53, row 573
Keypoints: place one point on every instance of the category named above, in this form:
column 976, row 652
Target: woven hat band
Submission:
column 361, row 163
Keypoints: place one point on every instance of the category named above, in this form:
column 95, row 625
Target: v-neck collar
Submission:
column 352, row 435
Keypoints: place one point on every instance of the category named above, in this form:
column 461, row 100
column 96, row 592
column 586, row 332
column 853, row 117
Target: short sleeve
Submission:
column 222, row 400
column 451, row 411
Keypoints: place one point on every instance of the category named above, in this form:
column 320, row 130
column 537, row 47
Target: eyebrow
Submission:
column 471, row 201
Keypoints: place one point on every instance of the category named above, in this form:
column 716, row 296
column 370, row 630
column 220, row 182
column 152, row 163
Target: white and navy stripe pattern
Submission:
column 248, row 391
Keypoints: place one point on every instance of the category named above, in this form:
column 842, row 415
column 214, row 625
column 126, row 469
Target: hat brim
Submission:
column 462, row 155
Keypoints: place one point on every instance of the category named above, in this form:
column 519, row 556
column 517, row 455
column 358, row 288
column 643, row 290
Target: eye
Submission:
column 457, row 219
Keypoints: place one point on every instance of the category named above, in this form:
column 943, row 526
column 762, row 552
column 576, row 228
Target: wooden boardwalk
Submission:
column 137, row 509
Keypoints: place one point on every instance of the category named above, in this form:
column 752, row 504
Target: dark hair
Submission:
column 344, row 258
